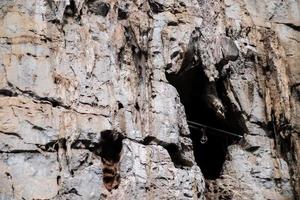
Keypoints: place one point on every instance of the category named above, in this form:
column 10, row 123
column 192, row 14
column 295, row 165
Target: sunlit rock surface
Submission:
column 73, row 72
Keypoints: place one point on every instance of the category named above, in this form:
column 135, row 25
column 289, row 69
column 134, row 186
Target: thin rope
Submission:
column 197, row 125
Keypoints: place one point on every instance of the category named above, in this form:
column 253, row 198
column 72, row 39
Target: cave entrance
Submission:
column 192, row 88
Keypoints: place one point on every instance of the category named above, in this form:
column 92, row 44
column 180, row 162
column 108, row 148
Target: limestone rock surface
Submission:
column 96, row 97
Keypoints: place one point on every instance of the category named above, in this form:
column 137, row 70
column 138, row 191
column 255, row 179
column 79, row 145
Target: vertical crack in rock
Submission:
column 206, row 103
column 62, row 160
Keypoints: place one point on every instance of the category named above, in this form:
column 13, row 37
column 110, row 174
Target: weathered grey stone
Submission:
column 72, row 71
column 29, row 175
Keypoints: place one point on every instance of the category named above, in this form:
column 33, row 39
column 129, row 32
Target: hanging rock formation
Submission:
column 95, row 96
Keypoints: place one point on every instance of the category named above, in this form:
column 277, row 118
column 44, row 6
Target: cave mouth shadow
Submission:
column 210, row 156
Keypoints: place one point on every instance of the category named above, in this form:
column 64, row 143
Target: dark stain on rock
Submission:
column 98, row 7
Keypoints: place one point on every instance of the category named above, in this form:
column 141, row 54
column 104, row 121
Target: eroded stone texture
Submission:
column 71, row 70
column 29, row 174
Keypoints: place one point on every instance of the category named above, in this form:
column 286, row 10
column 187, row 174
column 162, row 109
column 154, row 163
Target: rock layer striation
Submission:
column 96, row 95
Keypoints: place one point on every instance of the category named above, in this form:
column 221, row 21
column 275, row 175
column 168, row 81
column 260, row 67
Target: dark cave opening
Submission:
column 192, row 86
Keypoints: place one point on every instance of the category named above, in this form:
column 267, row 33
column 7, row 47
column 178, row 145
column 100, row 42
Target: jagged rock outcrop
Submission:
column 95, row 96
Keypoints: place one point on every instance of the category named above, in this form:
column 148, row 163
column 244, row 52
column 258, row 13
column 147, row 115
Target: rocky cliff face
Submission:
column 96, row 96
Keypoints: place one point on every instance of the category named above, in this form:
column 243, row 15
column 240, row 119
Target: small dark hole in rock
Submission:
column 169, row 66
column 172, row 23
column 120, row 105
column 58, row 178
column 71, row 9
column 122, row 14
column 98, row 7
column 137, row 107
column 156, row 7
column 173, row 55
